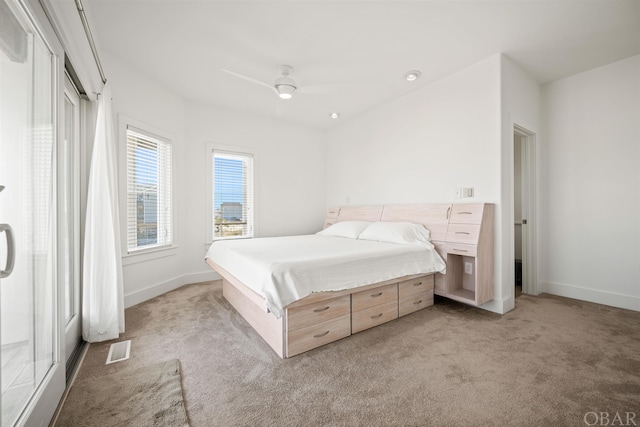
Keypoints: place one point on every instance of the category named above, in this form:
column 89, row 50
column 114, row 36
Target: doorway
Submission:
column 524, row 211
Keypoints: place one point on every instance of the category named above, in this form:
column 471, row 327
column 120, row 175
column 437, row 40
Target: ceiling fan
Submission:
column 285, row 86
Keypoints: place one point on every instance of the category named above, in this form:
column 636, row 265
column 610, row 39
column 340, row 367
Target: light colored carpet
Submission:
column 147, row 396
column 546, row 363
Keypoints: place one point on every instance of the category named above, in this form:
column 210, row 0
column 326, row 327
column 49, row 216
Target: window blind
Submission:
column 232, row 195
column 149, row 208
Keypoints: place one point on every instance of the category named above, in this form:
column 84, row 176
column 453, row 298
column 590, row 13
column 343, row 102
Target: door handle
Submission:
column 10, row 251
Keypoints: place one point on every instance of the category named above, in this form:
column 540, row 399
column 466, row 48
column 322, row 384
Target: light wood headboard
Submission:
column 360, row 213
column 433, row 216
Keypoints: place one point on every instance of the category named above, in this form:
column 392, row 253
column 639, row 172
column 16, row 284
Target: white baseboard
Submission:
column 628, row 302
column 500, row 306
column 153, row 291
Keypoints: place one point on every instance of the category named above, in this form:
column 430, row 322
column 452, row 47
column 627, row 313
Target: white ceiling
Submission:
column 365, row 45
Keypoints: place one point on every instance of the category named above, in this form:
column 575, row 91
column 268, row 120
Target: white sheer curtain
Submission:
column 102, row 299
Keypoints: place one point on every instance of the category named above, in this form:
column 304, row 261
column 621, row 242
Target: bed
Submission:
column 370, row 265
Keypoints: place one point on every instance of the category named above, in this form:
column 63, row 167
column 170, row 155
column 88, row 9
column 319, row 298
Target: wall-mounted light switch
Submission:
column 464, row 192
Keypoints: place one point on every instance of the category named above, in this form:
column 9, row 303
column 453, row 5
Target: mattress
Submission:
column 286, row 269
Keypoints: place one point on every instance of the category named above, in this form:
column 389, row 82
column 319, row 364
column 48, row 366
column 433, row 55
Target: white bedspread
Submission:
column 286, row 269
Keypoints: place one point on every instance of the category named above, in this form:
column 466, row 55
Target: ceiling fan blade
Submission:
column 319, row 89
column 249, row 79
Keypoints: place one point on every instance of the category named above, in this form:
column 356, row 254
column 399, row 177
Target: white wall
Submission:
column 289, row 168
column 290, row 181
column 156, row 108
column 521, row 103
column 590, row 186
column 422, row 146
column 419, row 148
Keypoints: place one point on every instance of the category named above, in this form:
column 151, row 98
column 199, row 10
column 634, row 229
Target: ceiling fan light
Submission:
column 285, row 91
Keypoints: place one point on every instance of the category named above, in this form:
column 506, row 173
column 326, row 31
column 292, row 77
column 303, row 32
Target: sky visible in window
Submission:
column 228, row 181
column 146, row 166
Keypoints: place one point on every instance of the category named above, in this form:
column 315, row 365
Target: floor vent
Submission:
column 119, row 351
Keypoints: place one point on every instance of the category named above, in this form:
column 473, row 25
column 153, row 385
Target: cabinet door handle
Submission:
column 418, row 302
column 321, row 335
column 448, row 211
column 460, row 250
column 417, row 284
column 465, row 213
column 462, row 232
column 320, row 310
column 376, row 295
column 376, row 316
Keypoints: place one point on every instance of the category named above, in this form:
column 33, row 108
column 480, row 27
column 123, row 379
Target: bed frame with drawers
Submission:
column 462, row 235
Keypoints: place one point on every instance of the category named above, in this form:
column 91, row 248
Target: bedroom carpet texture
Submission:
column 552, row 361
column 151, row 395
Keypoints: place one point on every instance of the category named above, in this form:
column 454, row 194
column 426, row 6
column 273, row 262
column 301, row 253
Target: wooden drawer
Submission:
column 466, row 213
column 333, row 212
column 373, row 316
column 375, row 296
column 415, row 286
column 461, row 249
column 305, row 339
column 311, row 314
column 413, row 303
column 463, row 233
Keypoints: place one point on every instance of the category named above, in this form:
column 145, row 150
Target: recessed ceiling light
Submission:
column 412, row 75
column 334, row 115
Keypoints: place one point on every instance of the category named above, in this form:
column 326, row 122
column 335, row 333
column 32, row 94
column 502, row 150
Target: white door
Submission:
column 32, row 376
column 517, row 207
column 524, row 197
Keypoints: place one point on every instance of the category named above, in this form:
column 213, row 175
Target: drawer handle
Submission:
column 376, row 316
column 417, row 284
column 460, row 250
column 321, row 335
column 418, row 302
column 462, row 232
column 376, row 295
column 465, row 213
column 448, row 211
column 320, row 310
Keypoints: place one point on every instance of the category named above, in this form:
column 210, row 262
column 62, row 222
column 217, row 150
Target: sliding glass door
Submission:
column 69, row 221
column 29, row 297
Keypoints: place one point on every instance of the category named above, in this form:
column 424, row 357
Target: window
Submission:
column 232, row 194
column 149, row 216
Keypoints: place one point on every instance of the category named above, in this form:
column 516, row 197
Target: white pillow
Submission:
column 350, row 229
column 404, row 233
